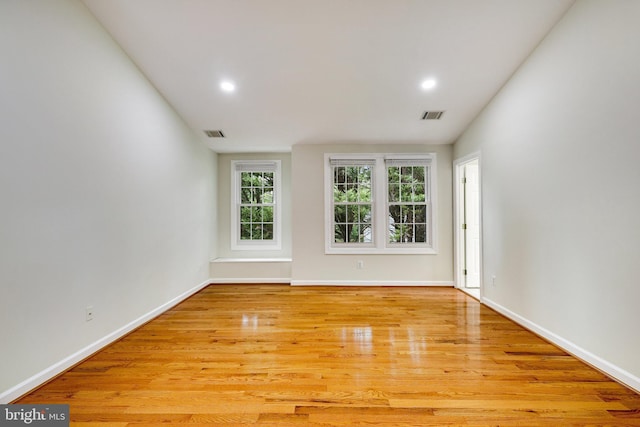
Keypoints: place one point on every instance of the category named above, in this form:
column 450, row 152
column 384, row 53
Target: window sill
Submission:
column 251, row 260
column 376, row 251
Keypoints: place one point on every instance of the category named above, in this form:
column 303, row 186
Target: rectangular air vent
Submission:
column 432, row 115
column 214, row 133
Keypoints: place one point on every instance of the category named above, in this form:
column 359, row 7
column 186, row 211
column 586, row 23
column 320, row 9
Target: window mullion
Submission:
column 381, row 205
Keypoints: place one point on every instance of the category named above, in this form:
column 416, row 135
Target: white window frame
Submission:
column 237, row 167
column 380, row 208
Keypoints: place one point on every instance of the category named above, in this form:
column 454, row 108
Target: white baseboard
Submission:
column 241, row 280
column 281, row 280
column 367, row 283
column 61, row 366
column 597, row 362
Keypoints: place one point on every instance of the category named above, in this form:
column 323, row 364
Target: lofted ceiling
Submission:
column 315, row 71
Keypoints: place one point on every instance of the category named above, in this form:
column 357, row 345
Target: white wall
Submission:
column 560, row 147
column 312, row 266
column 106, row 195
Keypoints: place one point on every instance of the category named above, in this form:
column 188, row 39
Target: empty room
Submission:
column 337, row 212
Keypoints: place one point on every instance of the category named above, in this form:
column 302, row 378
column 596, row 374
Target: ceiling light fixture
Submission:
column 428, row 84
column 227, row 86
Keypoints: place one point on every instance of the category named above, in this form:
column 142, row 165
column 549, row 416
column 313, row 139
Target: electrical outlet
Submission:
column 88, row 312
column 360, row 264
column 493, row 280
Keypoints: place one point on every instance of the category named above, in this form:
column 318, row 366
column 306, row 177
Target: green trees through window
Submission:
column 256, row 205
column 380, row 202
column 407, row 204
column 352, row 204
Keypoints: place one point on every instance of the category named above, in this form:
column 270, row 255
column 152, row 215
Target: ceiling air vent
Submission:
column 432, row 115
column 214, row 133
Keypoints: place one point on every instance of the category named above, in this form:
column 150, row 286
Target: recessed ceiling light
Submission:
column 227, row 86
column 428, row 84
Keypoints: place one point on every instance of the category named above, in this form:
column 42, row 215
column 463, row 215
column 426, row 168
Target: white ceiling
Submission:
column 313, row 71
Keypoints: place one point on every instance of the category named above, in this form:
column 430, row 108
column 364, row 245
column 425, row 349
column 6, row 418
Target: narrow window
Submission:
column 352, row 202
column 407, row 202
column 256, row 208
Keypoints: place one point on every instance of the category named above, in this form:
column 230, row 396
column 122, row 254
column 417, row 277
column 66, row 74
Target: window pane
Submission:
column 365, row 175
column 418, row 193
column 256, row 214
column 245, row 195
column 406, row 174
column 406, row 191
column 245, row 231
column 245, row 179
column 352, row 174
column 340, row 214
column 352, row 192
column 405, row 233
column 267, row 195
column 268, row 179
column 256, row 180
column 245, row 214
column 366, row 232
column 256, row 232
column 365, row 213
column 340, row 232
column 421, row 233
column 364, row 194
column 267, row 230
column 421, row 213
column 418, row 174
column 393, row 175
column 354, row 233
column 267, row 214
column 256, row 195
column 395, row 232
column 339, row 193
column 352, row 213
column 394, row 214
column 394, row 192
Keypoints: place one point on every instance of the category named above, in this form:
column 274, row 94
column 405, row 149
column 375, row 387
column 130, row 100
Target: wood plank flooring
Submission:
column 281, row 355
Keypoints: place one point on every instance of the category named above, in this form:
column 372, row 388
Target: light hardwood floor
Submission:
column 275, row 354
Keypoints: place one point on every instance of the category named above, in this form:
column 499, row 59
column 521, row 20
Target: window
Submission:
column 380, row 203
column 255, row 208
column 352, row 202
column 407, row 202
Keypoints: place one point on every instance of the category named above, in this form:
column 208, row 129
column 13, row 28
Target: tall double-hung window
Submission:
column 255, row 207
column 380, row 203
column 352, row 202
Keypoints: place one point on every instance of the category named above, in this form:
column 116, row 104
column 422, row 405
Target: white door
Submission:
column 472, row 224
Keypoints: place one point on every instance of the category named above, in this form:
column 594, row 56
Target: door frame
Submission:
column 458, row 219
